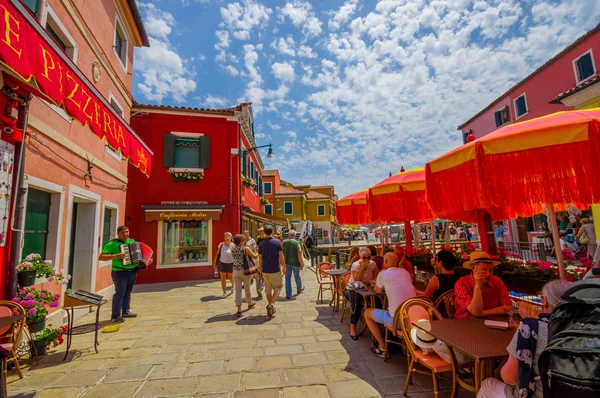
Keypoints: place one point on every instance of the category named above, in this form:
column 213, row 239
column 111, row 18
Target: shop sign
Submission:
column 29, row 55
column 183, row 203
column 166, row 215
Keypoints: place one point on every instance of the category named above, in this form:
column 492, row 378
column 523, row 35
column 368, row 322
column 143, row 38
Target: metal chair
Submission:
column 325, row 281
column 446, row 304
column 10, row 335
column 341, row 289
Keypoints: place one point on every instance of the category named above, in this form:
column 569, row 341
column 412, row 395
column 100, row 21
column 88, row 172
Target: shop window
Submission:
column 109, row 224
column 584, row 67
column 288, row 208
column 521, row 106
column 269, row 209
column 186, row 152
column 37, row 217
column 120, row 44
column 501, row 116
column 268, row 188
column 184, row 242
column 321, row 210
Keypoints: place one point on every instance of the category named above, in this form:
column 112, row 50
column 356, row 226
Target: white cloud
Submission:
column 306, row 52
column 260, row 136
column 292, row 134
column 343, row 15
column 212, row 101
column 284, row 46
column 302, row 15
column 163, row 72
column 232, row 70
column 242, row 17
column 283, row 71
column 250, row 59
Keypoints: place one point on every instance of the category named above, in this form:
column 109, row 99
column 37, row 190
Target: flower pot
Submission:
column 38, row 347
column 26, row 278
column 37, row 327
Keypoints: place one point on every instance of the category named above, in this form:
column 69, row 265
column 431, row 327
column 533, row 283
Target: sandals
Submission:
column 251, row 305
column 239, row 313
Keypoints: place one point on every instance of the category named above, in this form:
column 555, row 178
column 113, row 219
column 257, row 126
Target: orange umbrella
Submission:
column 520, row 168
column 400, row 197
column 353, row 209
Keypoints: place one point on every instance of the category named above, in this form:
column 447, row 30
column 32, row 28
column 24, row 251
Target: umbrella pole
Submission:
column 432, row 237
column 556, row 239
column 408, row 238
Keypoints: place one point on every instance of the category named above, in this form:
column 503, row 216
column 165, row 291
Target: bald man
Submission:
column 397, row 285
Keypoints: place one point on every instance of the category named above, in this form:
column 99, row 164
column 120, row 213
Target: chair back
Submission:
column 414, row 310
column 446, row 304
column 12, row 333
column 322, row 275
column 344, row 282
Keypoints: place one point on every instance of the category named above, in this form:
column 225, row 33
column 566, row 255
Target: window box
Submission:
column 186, row 174
column 264, row 201
column 249, row 182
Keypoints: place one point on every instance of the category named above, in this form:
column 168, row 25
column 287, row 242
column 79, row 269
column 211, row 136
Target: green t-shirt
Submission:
column 114, row 247
column 291, row 248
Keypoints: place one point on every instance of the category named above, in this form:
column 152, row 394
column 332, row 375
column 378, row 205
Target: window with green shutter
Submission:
column 585, row 67
column 269, row 209
column 106, row 225
column 521, row 106
column 268, row 188
column 37, row 216
column 288, row 208
column 321, row 210
column 184, row 152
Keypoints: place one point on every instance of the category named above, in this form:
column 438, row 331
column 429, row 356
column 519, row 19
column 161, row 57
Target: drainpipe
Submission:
column 19, row 206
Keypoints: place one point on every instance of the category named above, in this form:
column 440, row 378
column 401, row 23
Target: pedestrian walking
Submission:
column 240, row 254
column 271, row 257
column 224, row 262
column 251, row 243
column 294, row 263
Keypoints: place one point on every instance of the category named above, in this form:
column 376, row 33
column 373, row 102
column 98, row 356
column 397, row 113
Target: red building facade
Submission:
column 196, row 191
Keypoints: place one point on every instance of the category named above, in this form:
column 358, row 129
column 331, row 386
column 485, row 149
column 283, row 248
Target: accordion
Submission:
column 138, row 254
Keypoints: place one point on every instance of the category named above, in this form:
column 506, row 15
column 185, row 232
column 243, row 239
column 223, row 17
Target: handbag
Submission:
column 583, row 239
column 249, row 269
column 219, row 254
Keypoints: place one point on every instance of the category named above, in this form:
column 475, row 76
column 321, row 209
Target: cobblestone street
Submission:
column 187, row 342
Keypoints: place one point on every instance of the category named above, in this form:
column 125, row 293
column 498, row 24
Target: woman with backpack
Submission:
column 224, row 262
column 241, row 263
column 521, row 371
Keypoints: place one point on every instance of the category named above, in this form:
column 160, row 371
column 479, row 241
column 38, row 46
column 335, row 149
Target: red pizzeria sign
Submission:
column 25, row 52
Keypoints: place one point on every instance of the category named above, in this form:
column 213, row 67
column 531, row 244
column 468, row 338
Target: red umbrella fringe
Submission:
column 386, row 208
column 353, row 214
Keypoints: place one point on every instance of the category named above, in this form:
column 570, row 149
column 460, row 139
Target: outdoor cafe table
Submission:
column 368, row 296
column 473, row 338
column 335, row 273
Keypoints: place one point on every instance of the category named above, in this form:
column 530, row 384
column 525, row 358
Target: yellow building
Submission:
column 290, row 202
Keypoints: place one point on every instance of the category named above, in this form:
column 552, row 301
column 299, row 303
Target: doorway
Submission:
column 81, row 244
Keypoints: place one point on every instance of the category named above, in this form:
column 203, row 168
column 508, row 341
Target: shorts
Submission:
column 225, row 267
column 273, row 281
column 382, row 316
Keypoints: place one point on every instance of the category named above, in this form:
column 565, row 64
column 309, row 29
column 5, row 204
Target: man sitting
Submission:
column 481, row 293
column 397, row 284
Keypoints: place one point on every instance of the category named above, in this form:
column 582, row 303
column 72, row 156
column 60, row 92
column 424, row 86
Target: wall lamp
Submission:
column 269, row 154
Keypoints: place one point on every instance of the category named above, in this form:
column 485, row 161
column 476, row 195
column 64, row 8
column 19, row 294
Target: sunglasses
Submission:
column 366, row 258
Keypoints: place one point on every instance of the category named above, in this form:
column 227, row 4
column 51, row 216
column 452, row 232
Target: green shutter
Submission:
column 260, row 186
column 288, row 208
column 106, row 226
column 37, row 216
column 169, row 150
column 204, row 152
column 498, row 117
column 244, row 157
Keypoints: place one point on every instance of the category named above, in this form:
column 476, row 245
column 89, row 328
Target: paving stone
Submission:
column 353, row 388
column 296, row 340
column 303, row 376
column 112, row 390
column 240, row 364
column 259, row 380
column 244, row 352
column 284, row 349
column 350, row 371
column 273, row 362
column 306, row 391
column 170, row 370
column 205, row 368
column 32, row 382
column 169, row 387
column 311, row 359
column 263, row 393
column 81, row 378
column 219, row 383
column 128, row 373
column 139, row 351
column 67, row 392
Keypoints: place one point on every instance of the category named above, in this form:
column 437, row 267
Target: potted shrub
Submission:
column 249, row 182
column 35, row 301
column 33, row 267
column 264, row 201
column 47, row 337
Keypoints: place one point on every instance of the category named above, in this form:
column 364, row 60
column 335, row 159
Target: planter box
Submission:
column 37, row 327
column 26, row 278
column 523, row 284
column 38, row 348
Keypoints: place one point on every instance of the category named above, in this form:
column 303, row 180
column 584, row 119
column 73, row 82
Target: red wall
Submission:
column 214, row 188
column 540, row 89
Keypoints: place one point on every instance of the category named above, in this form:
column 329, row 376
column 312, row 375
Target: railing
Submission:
column 525, row 251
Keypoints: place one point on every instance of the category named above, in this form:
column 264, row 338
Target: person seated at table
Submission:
column 445, row 279
column 397, row 285
column 516, row 373
column 352, row 257
column 378, row 259
column 481, row 293
column 365, row 271
column 403, row 262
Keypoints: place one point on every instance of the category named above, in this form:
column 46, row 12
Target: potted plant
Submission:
column 264, row 201
column 33, row 267
column 249, row 182
column 47, row 337
column 35, row 301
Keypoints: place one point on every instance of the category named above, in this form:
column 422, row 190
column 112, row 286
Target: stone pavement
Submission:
column 187, row 342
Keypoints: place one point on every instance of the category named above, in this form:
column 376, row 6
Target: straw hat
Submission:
column 479, row 257
column 421, row 338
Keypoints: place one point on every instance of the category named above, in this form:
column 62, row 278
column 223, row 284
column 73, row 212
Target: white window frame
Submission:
column 61, row 30
column 524, row 95
column 114, row 223
column 270, row 207
column 593, row 65
column 321, row 215
column 265, row 188
column 159, row 255
column 284, row 212
column 120, row 26
column 507, row 114
column 113, row 153
column 190, row 169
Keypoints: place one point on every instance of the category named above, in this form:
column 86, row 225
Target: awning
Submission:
column 182, row 212
column 265, row 218
column 28, row 51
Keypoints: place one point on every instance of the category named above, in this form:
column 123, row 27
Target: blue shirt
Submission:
column 500, row 232
column 269, row 248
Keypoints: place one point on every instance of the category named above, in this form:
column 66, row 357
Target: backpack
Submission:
column 570, row 364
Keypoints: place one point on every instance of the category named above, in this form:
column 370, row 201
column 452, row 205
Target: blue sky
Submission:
column 348, row 91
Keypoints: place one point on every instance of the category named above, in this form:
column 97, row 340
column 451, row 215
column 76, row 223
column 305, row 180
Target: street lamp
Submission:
column 269, row 154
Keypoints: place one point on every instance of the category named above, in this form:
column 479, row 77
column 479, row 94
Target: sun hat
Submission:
column 479, row 257
column 421, row 338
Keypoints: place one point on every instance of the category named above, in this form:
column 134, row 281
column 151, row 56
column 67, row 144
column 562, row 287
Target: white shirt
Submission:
column 397, row 285
column 251, row 243
column 226, row 256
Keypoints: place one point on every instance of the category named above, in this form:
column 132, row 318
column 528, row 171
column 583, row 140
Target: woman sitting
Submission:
column 378, row 259
column 352, row 257
column 365, row 271
column 445, row 279
column 513, row 371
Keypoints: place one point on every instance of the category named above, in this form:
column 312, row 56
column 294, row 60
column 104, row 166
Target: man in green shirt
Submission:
column 123, row 276
column 294, row 263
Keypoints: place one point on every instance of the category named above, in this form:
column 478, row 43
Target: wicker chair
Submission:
column 344, row 301
column 393, row 332
column 445, row 304
column 325, row 281
column 10, row 335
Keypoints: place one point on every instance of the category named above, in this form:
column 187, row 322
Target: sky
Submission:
column 348, row 91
